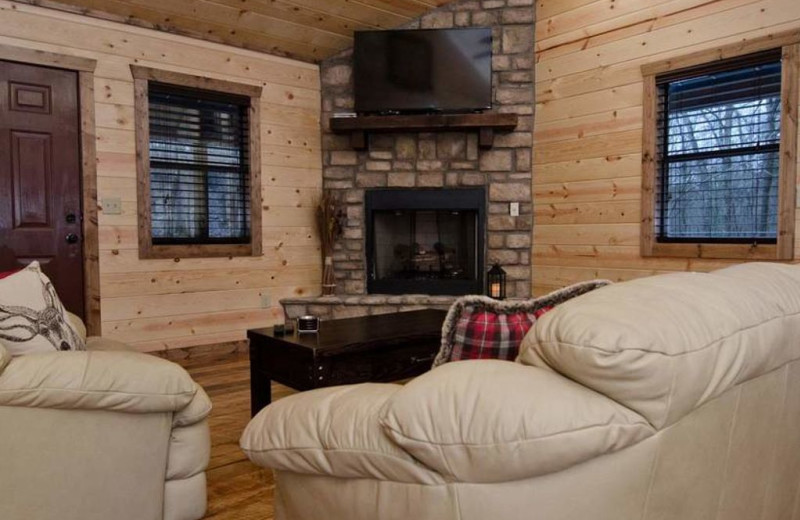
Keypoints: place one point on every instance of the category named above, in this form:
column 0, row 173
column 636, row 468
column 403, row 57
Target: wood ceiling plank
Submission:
column 240, row 19
column 316, row 18
column 354, row 11
column 117, row 11
column 251, row 29
column 408, row 8
column 308, row 30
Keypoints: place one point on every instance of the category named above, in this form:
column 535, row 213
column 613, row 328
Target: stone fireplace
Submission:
column 436, row 161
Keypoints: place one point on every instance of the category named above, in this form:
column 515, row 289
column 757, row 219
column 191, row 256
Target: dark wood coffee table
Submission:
column 388, row 347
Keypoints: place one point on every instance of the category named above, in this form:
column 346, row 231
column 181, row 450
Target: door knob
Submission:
column 72, row 238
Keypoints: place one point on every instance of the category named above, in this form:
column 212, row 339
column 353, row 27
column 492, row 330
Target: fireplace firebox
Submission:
column 425, row 241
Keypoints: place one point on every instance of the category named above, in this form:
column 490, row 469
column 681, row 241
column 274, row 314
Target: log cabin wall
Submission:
column 165, row 304
column 588, row 125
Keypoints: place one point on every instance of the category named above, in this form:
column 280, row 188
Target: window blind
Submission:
column 718, row 154
column 199, row 166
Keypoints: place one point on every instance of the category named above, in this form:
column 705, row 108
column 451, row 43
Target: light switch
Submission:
column 513, row 209
column 266, row 301
column 112, row 206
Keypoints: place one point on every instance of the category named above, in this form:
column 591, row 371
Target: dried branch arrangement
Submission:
column 330, row 222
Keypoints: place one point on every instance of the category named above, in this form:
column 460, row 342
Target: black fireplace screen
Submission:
column 425, row 245
column 425, row 241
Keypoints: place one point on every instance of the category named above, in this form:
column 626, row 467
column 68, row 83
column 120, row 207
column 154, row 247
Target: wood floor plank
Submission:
column 237, row 488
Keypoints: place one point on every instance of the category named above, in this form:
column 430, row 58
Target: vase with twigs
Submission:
column 330, row 221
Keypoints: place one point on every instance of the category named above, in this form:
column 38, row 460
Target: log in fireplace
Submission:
column 425, row 241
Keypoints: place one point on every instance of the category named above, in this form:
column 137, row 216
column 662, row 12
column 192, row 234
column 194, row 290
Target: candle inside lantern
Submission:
column 494, row 290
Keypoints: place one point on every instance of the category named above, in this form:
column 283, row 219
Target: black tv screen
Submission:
column 428, row 70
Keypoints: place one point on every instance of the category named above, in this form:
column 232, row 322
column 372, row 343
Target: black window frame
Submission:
column 203, row 99
column 665, row 160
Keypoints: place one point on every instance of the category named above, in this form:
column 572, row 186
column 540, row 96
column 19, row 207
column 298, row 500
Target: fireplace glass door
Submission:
column 425, row 245
column 425, row 241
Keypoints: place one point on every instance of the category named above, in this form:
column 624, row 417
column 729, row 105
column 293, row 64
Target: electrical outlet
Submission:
column 513, row 209
column 266, row 301
column 112, row 206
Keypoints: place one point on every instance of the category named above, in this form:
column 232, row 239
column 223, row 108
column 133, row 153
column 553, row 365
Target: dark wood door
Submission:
column 40, row 184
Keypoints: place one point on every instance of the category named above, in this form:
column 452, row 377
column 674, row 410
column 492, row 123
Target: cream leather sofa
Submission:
column 675, row 397
column 106, row 434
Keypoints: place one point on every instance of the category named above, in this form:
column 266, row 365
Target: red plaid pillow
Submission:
column 485, row 334
column 478, row 327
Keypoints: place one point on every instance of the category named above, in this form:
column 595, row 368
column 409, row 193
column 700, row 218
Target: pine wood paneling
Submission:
column 184, row 302
column 307, row 30
column 590, row 103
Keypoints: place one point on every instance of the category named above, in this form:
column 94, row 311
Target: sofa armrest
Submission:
column 332, row 431
column 117, row 381
column 497, row 421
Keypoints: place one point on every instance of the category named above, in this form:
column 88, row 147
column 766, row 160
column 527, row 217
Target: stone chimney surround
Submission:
column 436, row 160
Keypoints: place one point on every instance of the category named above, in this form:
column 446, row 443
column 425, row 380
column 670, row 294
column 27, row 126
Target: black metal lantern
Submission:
column 496, row 283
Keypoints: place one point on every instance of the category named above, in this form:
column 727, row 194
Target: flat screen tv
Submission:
column 423, row 71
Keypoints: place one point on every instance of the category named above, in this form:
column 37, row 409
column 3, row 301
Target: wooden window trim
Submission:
column 141, row 77
column 783, row 249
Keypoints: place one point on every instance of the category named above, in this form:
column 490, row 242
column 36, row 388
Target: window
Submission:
column 719, row 157
column 197, row 160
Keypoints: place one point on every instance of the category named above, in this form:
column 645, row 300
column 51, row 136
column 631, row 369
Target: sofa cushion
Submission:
column 497, row 421
column 479, row 327
column 666, row 344
column 32, row 318
column 332, row 431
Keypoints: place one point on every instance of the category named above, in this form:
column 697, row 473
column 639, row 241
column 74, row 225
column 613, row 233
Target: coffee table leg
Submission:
column 260, row 392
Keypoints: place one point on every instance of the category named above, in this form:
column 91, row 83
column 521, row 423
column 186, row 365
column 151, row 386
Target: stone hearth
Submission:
column 354, row 306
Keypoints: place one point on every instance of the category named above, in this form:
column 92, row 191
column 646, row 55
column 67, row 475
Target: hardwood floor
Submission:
column 237, row 489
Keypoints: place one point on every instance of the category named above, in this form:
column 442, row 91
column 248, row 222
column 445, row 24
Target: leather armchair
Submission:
column 103, row 434
column 674, row 397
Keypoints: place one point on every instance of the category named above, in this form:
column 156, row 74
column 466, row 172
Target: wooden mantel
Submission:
column 486, row 124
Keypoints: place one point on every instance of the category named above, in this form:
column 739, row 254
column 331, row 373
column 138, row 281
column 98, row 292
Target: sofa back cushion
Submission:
column 497, row 421
column 666, row 344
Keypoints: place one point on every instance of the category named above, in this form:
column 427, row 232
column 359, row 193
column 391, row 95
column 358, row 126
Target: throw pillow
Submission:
column 478, row 327
column 32, row 318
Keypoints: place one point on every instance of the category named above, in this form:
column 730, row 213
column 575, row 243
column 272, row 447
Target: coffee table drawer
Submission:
column 388, row 364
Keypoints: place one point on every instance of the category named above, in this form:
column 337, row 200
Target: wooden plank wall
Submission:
column 164, row 304
column 588, row 129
